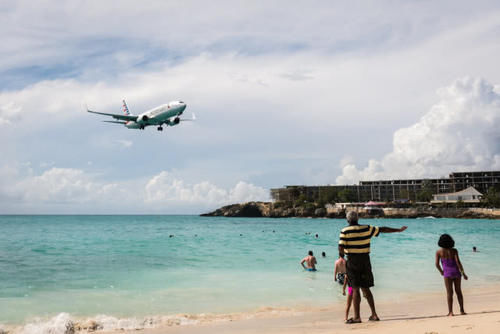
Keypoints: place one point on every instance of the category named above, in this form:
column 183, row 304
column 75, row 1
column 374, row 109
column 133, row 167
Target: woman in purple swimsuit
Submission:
column 452, row 271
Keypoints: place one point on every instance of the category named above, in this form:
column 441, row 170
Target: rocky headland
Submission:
column 277, row 210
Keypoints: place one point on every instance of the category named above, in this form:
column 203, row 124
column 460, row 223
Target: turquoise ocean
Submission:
column 141, row 266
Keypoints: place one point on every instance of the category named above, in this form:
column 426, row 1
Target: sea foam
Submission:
column 64, row 323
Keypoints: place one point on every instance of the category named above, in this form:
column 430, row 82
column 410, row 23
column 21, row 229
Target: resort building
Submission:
column 469, row 195
column 400, row 190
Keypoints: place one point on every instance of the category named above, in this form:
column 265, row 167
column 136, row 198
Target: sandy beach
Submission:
column 424, row 314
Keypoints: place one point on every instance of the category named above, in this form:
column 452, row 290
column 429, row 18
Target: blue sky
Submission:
column 315, row 93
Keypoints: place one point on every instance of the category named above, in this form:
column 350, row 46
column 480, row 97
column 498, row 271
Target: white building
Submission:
column 469, row 195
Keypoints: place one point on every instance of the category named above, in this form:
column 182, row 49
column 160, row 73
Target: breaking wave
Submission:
column 64, row 323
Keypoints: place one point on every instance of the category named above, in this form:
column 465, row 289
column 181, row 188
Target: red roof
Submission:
column 372, row 203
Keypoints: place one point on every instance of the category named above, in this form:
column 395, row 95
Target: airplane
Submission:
column 168, row 114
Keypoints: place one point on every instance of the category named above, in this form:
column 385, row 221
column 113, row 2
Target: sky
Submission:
column 306, row 92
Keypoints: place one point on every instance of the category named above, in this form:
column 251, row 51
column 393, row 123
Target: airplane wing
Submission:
column 116, row 122
column 116, row 116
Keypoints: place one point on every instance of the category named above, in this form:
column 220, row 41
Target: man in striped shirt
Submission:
column 355, row 242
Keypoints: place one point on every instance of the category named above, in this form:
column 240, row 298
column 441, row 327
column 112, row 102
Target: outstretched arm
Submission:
column 384, row 229
column 460, row 267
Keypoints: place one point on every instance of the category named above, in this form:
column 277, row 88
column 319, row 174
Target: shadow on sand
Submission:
column 434, row 316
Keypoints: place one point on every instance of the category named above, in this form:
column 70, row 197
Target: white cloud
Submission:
column 459, row 133
column 64, row 185
column 69, row 189
column 8, row 111
column 278, row 101
column 166, row 188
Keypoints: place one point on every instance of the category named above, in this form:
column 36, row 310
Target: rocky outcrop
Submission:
column 250, row 209
column 277, row 210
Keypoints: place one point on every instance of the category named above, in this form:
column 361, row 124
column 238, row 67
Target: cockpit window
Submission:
column 181, row 102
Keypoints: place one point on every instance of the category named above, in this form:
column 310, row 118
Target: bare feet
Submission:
column 374, row 317
column 450, row 314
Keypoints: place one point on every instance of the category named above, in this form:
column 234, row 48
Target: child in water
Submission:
column 451, row 270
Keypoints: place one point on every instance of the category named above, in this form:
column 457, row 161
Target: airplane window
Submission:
column 181, row 102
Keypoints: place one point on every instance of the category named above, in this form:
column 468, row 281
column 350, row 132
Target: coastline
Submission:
column 419, row 313
column 275, row 210
column 410, row 313
column 244, row 286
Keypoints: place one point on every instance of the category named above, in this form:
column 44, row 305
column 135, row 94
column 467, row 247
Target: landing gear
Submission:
column 141, row 127
column 160, row 128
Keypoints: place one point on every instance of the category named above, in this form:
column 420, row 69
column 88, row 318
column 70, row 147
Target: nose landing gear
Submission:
column 160, row 128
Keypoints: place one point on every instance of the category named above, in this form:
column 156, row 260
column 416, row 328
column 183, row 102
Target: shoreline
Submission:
column 423, row 311
column 311, row 210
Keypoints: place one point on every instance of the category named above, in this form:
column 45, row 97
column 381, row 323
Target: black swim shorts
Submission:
column 359, row 271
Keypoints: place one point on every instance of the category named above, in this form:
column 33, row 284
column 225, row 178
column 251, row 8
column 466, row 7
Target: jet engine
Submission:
column 174, row 121
column 143, row 119
column 132, row 125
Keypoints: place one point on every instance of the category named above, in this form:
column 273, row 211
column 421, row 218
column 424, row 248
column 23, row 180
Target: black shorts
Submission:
column 359, row 271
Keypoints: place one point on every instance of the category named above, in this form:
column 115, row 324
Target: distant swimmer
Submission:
column 474, row 249
column 310, row 260
column 171, row 236
column 317, row 236
column 323, row 254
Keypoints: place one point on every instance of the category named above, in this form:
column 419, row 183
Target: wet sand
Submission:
column 417, row 313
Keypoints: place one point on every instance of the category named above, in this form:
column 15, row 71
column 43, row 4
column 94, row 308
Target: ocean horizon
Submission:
column 136, row 266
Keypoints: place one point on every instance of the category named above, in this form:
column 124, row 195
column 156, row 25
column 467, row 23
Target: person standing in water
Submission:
column 340, row 270
column 310, row 260
column 452, row 271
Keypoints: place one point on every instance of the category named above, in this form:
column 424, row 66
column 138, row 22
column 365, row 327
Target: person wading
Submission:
column 355, row 242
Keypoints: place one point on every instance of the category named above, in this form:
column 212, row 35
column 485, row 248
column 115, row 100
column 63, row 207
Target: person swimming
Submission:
column 310, row 260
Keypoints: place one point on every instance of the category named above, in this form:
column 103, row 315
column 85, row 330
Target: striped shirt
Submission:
column 356, row 238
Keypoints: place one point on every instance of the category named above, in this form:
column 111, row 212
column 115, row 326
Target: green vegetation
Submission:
column 425, row 194
column 347, row 195
column 328, row 195
column 492, row 198
column 301, row 200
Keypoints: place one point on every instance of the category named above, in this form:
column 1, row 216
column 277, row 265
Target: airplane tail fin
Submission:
column 125, row 108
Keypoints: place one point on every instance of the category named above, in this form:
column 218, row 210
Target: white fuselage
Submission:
column 165, row 114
